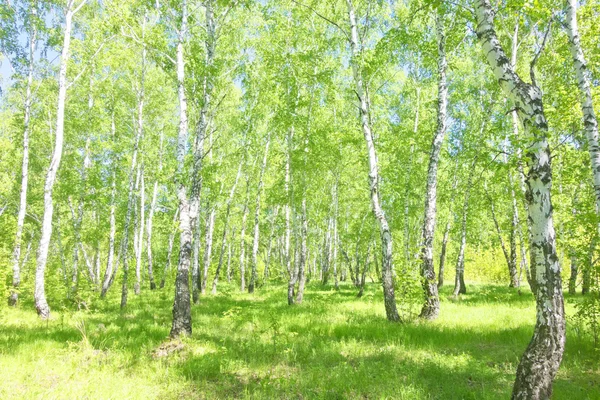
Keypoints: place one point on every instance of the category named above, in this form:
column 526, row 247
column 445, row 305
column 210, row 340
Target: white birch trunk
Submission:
column 386, row 235
column 243, row 239
column 208, row 240
column 584, row 79
column 140, row 249
column 182, row 315
column 543, row 356
column 151, row 219
column 254, row 273
column 41, row 304
column 16, row 259
column 431, row 305
column 111, row 238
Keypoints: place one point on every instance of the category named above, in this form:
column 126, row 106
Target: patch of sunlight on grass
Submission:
column 334, row 345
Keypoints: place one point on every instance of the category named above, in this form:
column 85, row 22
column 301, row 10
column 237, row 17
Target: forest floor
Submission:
column 256, row 346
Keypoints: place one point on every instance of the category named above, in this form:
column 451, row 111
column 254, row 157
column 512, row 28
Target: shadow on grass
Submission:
column 332, row 346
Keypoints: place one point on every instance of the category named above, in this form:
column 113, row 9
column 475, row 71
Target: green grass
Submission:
column 255, row 346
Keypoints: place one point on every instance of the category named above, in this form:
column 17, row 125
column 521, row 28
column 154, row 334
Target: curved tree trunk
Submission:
column 386, row 234
column 539, row 364
column 39, row 294
column 431, row 305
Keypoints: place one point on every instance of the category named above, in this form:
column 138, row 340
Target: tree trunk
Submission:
column 254, row 274
column 443, row 253
column 196, row 262
column 459, row 280
column 210, row 226
column 16, row 259
column 541, row 360
column 512, row 267
column 386, row 234
column 431, row 305
column 41, row 304
column 150, row 220
column 226, row 226
column 573, row 277
column 270, row 245
column 169, row 249
column 303, row 253
column 111, row 238
column 243, row 239
column 182, row 315
column 131, row 196
column 130, row 205
column 407, row 186
column 584, row 78
column 140, row 249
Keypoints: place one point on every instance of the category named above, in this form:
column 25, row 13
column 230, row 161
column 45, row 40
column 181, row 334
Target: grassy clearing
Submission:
column 255, row 346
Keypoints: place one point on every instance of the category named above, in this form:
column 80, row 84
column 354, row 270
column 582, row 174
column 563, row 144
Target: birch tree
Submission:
column 41, row 304
column 540, row 362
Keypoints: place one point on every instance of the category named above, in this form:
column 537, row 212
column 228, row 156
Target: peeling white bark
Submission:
column 543, row 356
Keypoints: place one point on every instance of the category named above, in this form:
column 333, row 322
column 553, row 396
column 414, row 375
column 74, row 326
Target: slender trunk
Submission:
column 111, row 238
column 243, row 239
column 584, row 79
column 326, row 253
column 130, row 205
column 210, row 226
column 335, row 234
column 182, row 315
column 149, row 236
column 294, row 273
column 386, row 234
column 270, row 245
column 229, row 258
column 443, row 253
column 586, row 278
column 169, row 250
column 14, row 294
column 407, row 186
column 288, row 205
column 573, row 277
column 303, row 253
column 226, row 226
column 254, row 274
column 363, row 275
column 196, row 262
column 41, row 304
column 540, row 362
column 447, row 228
column 431, row 305
column 140, row 249
column 459, row 281
column 512, row 267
